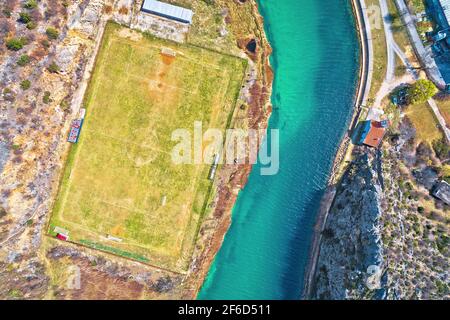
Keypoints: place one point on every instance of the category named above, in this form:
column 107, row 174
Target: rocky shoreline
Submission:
column 350, row 238
column 380, row 233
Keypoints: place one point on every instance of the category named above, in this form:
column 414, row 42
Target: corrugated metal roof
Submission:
column 168, row 10
column 445, row 4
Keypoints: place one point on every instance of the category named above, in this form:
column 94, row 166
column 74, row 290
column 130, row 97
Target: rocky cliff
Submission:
column 385, row 236
column 350, row 261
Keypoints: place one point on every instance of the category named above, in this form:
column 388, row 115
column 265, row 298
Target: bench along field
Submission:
column 120, row 191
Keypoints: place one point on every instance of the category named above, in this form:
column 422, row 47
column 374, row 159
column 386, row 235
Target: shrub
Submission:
column 31, row 25
column 23, row 60
column 25, row 84
column 123, row 10
column 7, row 13
column 30, row 4
column 441, row 148
column 46, row 98
column 8, row 95
column 15, row 44
column 45, row 43
column 64, row 105
column 24, row 17
column 442, row 243
column 3, row 212
column 15, row 293
column 424, row 26
column 52, row 33
column 420, row 209
column 53, row 68
column 328, row 233
column 445, row 170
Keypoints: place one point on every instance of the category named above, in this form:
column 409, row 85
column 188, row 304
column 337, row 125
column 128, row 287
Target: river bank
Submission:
column 361, row 95
column 266, row 248
column 232, row 179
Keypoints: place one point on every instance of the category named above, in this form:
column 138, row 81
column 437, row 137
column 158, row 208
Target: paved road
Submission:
column 424, row 54
column 392, row 45
column 367, row 51
column 405, row 61
column 391, row 81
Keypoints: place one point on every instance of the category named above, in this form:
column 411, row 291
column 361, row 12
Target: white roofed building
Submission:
column 168, row 11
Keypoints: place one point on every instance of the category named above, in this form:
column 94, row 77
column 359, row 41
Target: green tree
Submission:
column 421, row 91
column 396, row 22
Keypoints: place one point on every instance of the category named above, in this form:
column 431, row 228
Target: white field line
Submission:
column 165, row 84
column 79, row 147
column 128, row 241
column 214, row 66
column 127, row 142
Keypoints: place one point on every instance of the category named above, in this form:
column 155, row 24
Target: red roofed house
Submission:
column 373, row 133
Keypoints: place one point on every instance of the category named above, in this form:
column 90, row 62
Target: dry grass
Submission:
column 422, row 117
column 444, row 108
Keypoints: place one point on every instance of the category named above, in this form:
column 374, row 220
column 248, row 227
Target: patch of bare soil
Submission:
column 130, row 34
column 166, row 59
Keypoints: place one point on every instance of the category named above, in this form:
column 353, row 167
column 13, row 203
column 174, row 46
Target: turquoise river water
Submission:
column 316, row 63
